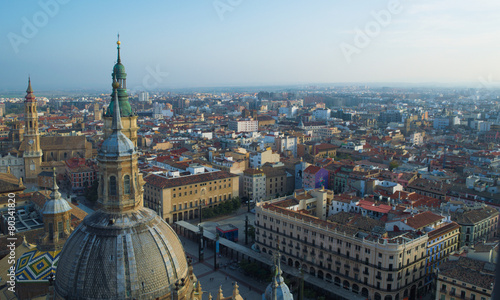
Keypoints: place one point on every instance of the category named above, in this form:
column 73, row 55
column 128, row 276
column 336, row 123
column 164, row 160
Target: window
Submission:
column 102, row 185
column 112, row 186
column 51, row 231
column 126, row 184
column 60, row 229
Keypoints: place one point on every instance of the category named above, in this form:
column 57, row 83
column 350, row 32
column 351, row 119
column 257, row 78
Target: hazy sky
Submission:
column 70, row 44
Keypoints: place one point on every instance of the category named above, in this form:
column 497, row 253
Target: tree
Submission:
column 91, row 192
column 251, row 232
column 393, row 165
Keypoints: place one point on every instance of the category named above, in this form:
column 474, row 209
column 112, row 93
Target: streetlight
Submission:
column 250, row 196
column 201, row 206
column 246, row 230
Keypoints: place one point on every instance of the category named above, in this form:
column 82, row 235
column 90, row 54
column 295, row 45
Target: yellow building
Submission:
column 465, row 278
column 178, row 197
column 358, row 258
column 32, row 153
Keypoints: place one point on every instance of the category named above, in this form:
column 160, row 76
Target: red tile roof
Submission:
column 312, row 169
column 165, row 183
column 423, row 219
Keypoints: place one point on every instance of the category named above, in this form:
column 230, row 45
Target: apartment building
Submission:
column 244, row 126
column 287, row 145
column 254, row 184
column 362, row 259
column 178, row 196
column 465, row 278
column 278, row 181
column 476, row 223
column 259, row 158
column 442, row 242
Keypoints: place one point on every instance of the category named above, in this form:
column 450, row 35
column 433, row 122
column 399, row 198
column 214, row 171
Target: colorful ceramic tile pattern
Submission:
column 37, row 265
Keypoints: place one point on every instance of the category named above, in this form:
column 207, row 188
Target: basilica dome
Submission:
column 128, row 255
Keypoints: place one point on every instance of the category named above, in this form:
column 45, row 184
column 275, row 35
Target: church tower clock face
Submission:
column 32, row 166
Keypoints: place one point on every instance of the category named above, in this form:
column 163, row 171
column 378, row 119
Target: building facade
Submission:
column 33, row 152
column 476, row 224
column 254, row 184
column 244, row 126
column 361, row 262
column 259, row 158
column 177, row 198
column 465, row 278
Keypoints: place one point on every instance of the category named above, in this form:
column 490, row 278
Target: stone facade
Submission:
column 179, row 198
column 375, row 267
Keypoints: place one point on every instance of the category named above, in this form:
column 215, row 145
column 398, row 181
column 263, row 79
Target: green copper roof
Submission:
column 119, row 71
column 120, row 76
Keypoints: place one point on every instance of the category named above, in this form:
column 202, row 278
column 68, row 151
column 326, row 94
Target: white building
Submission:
column 157, row 111
column 143, row 96
column 343, row 203
column 322, row 114
column 287, row 143
column 483, row 126
column 441, row 123
column 416, row 138
column 259, row 158
column 244, row 126
column 254, row 184
column 290, row 112
column 15, row 163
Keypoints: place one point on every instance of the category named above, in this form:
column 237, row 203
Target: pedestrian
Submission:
column 226, row 277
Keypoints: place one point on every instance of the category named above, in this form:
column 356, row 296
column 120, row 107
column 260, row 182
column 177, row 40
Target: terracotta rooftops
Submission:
column 162, row 182
column 312, row 169
column 423, row 219
column 475, row 272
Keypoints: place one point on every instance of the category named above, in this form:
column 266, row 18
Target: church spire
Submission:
column 118, row 47
column 30, row 97
column 29, row 90
column 117, row 121
column 55, row 195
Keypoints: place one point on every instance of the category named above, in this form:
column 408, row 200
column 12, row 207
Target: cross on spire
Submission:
column 118, row 47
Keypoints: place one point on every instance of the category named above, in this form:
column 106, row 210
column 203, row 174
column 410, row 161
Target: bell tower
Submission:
column 56, row 219
column 120, row 183
column 128, row 118
column 32, row 153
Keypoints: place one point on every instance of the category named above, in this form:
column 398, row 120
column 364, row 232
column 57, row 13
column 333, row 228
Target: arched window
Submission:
column 126, row 184
column 112, row 186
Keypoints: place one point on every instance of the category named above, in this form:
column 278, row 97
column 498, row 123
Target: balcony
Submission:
column 378, row 277
column 390, row 279
column 366, row 273
column 452, row 293
column 338, row 263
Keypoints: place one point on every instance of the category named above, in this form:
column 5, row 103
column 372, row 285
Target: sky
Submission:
column 71, row 44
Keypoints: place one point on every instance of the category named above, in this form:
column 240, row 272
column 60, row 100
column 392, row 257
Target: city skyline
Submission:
column 66, row 45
